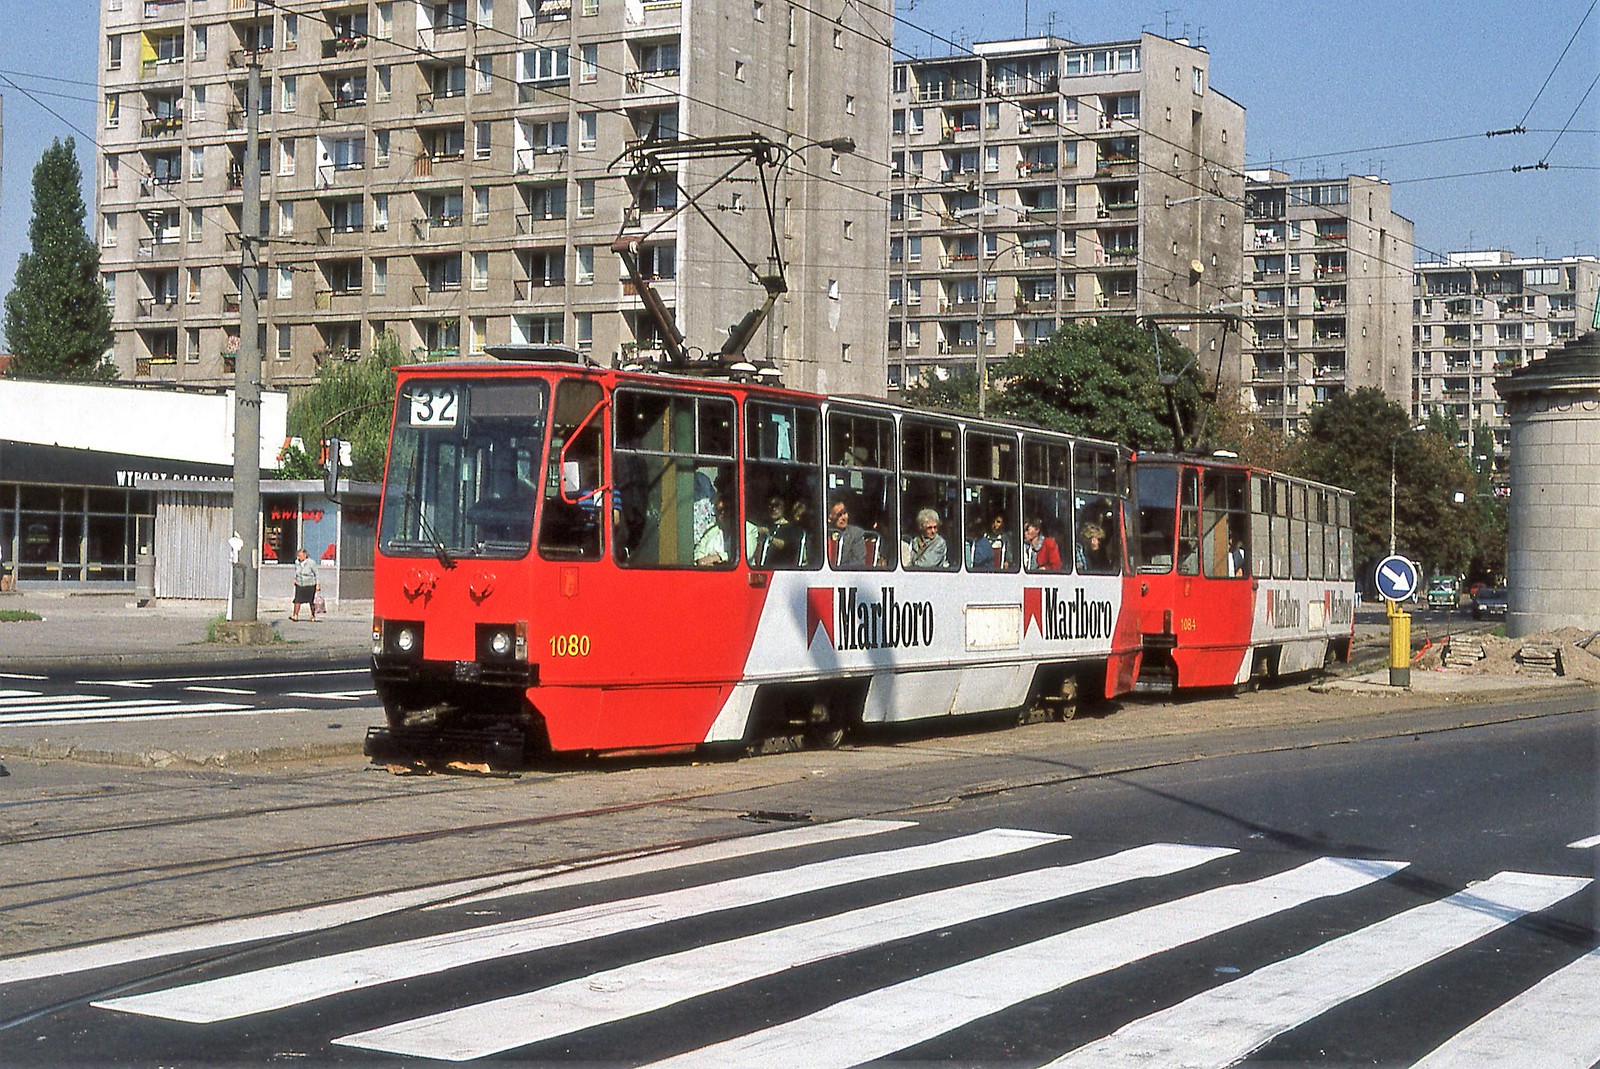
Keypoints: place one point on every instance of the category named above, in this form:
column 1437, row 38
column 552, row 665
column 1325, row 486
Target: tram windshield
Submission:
column 463, row 468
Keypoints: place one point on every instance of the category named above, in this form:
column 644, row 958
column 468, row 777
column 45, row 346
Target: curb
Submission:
column 224, row 760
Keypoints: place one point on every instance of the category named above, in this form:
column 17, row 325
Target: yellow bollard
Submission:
column 1399, row 646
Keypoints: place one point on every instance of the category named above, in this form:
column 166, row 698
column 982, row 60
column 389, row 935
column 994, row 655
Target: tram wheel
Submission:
column 1063, row 704
column 823, row 730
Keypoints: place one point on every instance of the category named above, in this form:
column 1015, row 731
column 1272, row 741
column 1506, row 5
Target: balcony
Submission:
column 545, row 158
column 161, row 248
column 230, row 304
column 434, row 294
column 1109, row 166
column 161, row 126
column 528, row 289
column 346, row 109
column 158, row 306
column 434, row 227
column 340, row 45
column 532, row 222
column 323, row 299
column 662, row 80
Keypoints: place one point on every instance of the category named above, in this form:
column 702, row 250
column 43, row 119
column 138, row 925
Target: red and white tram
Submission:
column 1242, row 574
column 574, row 559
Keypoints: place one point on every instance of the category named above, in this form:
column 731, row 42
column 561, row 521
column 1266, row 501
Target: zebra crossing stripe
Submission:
column 216, row 934
column 1223, row 1025
column 294, row 983
column 1584, row 844
column 643, row 987
column 122, row 712
column 31, row 699
column 878, row 1023
column 1552, row 1025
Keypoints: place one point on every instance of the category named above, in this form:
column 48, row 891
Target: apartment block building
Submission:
column 1481, row 314
column 1035, row 182
column 1327, row 293
column 454, row 172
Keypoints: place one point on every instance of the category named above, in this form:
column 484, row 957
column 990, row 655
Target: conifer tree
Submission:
column 57, row 323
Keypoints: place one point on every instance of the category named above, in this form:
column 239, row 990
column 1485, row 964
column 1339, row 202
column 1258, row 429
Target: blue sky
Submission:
column 1331, row 88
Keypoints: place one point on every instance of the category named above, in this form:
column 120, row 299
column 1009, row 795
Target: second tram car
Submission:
column 1242, row 574
column 581, row 560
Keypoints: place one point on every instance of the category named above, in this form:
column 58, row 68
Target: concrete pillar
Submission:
column 1553, row 552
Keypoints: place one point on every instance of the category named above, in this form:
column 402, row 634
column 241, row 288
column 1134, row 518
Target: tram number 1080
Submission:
column 573, row 645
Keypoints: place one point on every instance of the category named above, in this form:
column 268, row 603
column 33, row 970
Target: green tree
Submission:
column 955, row 392
column 1101, row 379
column 57, row 322
column 351, row 400
column 1350, row 441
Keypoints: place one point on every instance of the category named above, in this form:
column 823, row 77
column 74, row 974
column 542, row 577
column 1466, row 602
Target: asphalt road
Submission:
column 1424, row 897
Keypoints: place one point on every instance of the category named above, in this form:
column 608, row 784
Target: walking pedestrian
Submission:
column 306, row 586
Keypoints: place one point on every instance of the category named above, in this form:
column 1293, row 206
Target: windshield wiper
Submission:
column 435, row 542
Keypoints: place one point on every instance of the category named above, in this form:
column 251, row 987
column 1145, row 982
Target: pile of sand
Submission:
column 1580, row 654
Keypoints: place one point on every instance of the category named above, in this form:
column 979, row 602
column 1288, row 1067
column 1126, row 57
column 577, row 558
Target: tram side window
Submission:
column 676, row 505
column 1280, row 528
column 1047, row 499
column 1316, row 519
column 860, row 521
column 783, row 482
column 1223, row 540
column 1298, row 517
column 1155, row 517
column 1097, row 484
column 1260, row 526
column 993, row 542
column 574, row 497
column 1189, row 522
column 1347, row 542
column 1330, row 534
column 930, row 494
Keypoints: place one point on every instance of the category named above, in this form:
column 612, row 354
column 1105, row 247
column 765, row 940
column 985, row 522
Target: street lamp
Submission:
column 1393, row 482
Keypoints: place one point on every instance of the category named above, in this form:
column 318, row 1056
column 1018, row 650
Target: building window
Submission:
column 197, row 223
column 587, row 123
column 480, row 205
column 286, row 156
column 759, row 11
column 286, row 217
column 197, row 163
column 191, row 345
column 114, row 52
column 380, row 276
column 291, row 32
column 285, row 282
column 738, row 70
column 589, row 63
column 289, row 88
column 583, row 269
column 849, row 230
column 108, row 229
column 482, row 144
column 583, row 329
column 480, row 270
column 485, row 68
column 849, row 104
column 586, row 198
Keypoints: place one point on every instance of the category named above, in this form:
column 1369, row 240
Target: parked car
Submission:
column 1444, row 592
column 1489, row 601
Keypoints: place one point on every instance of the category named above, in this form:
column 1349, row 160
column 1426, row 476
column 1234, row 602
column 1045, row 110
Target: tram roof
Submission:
column 697, row 382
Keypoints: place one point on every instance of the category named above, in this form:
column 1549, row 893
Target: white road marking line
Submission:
column 879, row 1023
column 1584, row 844
column 159, row 680
column 23, row 675
column 125, row 683
column 217, row 934
column 725, row 850
column 333, row 695
column 20, row 694
column 1553, row 1025
column 30, row 700
column 1221, row 1026
column 126, row 713
column 646, row 986
column 221, row 690
column 294, row 983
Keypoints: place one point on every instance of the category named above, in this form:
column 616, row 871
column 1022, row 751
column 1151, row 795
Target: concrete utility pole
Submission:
column 247, row 364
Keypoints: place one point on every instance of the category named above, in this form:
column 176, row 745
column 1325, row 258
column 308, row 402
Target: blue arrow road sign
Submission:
column 1396, row 578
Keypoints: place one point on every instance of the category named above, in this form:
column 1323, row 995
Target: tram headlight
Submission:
column 500, row 643
column 405, row 640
